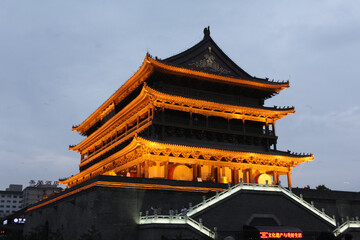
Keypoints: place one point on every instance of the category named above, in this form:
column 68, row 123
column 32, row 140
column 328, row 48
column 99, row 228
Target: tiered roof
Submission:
column 113, row 144
column 205, row 61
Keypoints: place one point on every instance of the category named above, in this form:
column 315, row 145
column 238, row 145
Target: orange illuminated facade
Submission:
column 195, row 116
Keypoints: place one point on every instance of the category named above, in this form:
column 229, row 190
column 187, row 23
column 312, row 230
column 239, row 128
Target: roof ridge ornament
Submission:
column 207, row 32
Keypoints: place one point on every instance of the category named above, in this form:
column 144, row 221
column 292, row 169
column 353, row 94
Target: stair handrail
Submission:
column 219, row 196
column 346, row 225
column 176, row 219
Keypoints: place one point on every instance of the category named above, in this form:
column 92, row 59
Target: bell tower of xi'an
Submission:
column 195, row 116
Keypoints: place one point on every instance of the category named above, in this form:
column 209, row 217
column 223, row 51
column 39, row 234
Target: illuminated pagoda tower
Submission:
column 195, row 116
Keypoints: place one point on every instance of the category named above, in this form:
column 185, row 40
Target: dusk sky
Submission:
column 60, row 60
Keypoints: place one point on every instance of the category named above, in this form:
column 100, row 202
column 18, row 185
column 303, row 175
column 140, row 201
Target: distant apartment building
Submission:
column 39, row 191
column 11, row 200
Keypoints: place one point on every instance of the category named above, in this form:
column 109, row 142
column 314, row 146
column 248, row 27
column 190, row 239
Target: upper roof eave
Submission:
column 204, row 43
column 207, row 39
column 260, row 84
column 149, row 65
column 144, row 71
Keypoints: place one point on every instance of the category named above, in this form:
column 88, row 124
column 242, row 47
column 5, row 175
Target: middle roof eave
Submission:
column 149, row 93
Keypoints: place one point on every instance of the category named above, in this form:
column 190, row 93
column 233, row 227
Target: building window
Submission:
column 14, row 206
column 2, row 200
column 8, row 206
column 15, row 196
column 14, row 201
column 1, row 205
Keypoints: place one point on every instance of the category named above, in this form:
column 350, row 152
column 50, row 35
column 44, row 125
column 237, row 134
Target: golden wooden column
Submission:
column 138, row 170
column 195, row 173
column 218, row 174
column 166, row 170
column 213, row 172
column 232, row 180
column 236, row 175
column 289, row 179
column 275, row 177
column 199, row 170
column 146, row 169
column 244, row 176
column 250, row 176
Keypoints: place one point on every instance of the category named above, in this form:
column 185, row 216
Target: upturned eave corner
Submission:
column 138, row 78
